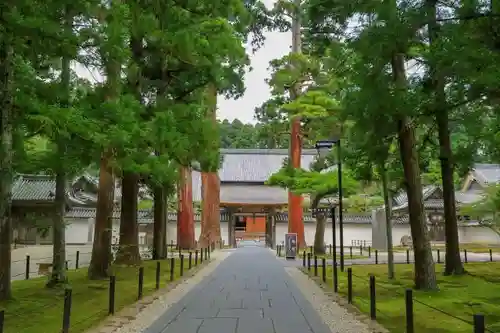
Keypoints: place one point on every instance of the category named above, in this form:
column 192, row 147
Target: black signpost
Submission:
column 290, row 246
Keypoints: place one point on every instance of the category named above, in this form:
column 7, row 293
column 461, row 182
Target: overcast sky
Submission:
column 257, row 91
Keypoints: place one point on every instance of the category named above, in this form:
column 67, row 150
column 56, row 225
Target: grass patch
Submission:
column 36, row 309
column 448, row 310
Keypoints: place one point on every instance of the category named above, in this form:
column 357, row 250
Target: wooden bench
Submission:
column 44, row 268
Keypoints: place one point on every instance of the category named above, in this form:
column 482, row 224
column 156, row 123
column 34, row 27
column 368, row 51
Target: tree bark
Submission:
column 160, row 222
column 101, row 258
column 319, row 235
column 425, row 275
column 185, row 218
column 388, row 221
column 128, row 249
column 453, row 263
column 6, row 52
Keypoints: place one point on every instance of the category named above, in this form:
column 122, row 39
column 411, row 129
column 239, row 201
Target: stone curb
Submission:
column 372, row 325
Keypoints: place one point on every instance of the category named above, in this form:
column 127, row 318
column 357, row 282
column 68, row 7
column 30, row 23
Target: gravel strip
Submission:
column 137, row 318
column 335, row 316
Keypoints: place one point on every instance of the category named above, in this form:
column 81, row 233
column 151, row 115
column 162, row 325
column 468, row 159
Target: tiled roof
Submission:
column 33, row 187
column 401, row 198
column 252, row 194
column 487, row 173
column 469, row 196
column 250, row 166
column 256, row 165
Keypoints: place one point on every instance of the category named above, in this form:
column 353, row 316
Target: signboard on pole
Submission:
column 290, row 245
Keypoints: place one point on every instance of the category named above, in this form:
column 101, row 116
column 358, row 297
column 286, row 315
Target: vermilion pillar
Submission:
column 185, row 215
column 295, row 218
column 210, row 214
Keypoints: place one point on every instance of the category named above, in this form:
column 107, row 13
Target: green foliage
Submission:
column 487, row 209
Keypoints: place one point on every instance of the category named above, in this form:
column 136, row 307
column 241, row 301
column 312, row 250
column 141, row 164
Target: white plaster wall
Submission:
column 77, row 231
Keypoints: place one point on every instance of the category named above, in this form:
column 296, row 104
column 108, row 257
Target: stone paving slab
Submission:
column 250, row 292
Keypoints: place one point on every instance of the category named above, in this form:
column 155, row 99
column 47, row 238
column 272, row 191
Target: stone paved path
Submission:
column 250, row 292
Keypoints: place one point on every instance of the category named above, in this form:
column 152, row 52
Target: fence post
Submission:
column 465, row 255
column 373, row 307
column 77, row 260
column 27, row 271
column 201, row 256
column 361, row 250
column 331, row 247
column 304, row 259
column 407, row 256
column 335, row 278
column 157, row 275
column 309, row 261
column 491, row 255
column 140, row 283
column 409, row 311
column 439, row 256
column 190, row 259
column 369, row 251
column 315, row 265
column 182, row 264
column 2, row 318
column 349, row 285
column 350, row 251
column 376, row 257
column 172, row 266
column 311, row 249
column 479, row 326
column 196, row 258
column 112, row 288
column 323, row 272
column 66, row 312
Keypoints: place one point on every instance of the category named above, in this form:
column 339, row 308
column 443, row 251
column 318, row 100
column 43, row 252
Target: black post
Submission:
column 335, row 278
column 172, row 267
column 361, row 250
column 341, row 220
column 315, row 265
column 373, row 308
column 182, row 264
column 157, row 275
column 2, row 318
column 323, row 272
column 112, row 288
column 439, row 256
column 311, row 249
column 376, row 257
column 309, row 261
column 304, row 259
column 27, row 271
column 409, row 311
column 140, row 283
column 465, row 255
column 491, row 255
column 77, row 262
column 201, row 256
column 350, row 251
column 331, row 249
column 196, row 258
column 479, row 326
column 190, row 264
column 66, row 312
column 369, row 251
column 407, row 256
column 349, row 285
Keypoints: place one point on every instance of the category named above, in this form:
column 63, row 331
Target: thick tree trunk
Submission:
column 425, row 275
column 160, row 222
column 210, row 213
column 5, row 168
column 319, row 235
column 58, row 275
column 101, row 246
column 128, row 249
column 453, row 263
column 185, row 222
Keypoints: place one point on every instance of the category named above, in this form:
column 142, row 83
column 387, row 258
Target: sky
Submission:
column 257, row 91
